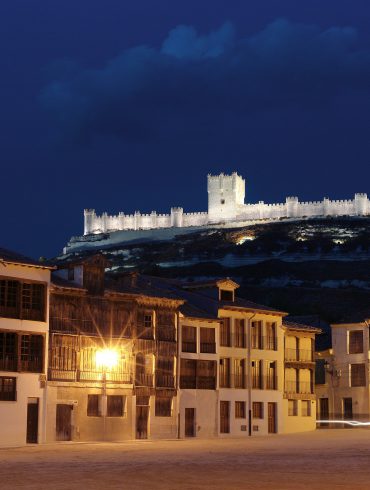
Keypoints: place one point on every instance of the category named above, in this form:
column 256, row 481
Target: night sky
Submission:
column 123, row 105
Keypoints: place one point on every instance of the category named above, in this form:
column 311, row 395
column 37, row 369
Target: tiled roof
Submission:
column 299, row 326
column 16, row 258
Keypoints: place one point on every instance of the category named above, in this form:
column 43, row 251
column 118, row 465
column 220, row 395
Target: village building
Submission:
column 299, row 389
column 24, row 326
column 342, row 380
column 112, row 357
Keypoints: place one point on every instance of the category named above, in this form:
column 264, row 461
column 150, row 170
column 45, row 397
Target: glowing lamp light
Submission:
column 107, row 358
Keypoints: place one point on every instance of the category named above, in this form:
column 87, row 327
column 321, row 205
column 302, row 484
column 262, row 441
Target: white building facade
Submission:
column 24, row 309
column 343, row 386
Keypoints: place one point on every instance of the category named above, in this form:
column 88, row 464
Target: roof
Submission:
column 64, row 283
column 191, row 311
column 211, row 283
column 11, row 257
column 290, row 325
column 361, row 316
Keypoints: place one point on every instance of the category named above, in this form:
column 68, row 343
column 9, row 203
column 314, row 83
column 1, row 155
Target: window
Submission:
column 355, row 344
column 32, row 353
column 93, row 406
column 271, row 380
column 239, row 373
column 33, row 301
column 306, row 408
column 226, row 295
column 240, row 339
column 257, row 409
column 292, row 407
column 189, row 339
column 224, row 372
column 8, row 389
column 115, row 406
column 257, row 375
column 225, row 332
column 256, row 335
column 163, row 406
column 148, row 320
column 207, row 340
column 240, row 412
column 22, row 300
column 188, row 374
column 206, row 375
column 164, row 377
column 358, row 377
column 8, row 351
column 271, row 340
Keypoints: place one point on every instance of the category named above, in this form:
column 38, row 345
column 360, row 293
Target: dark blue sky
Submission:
column 121, row 105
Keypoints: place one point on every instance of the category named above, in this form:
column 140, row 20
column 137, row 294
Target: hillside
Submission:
column 312, row 266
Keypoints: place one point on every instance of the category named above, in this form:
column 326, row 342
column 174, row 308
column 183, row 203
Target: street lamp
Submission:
column 106, row 359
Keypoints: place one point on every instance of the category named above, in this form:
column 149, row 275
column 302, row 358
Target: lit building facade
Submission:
column 342, row 382
column 24, row 307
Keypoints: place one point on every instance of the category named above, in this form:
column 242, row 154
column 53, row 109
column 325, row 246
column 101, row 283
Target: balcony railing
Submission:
column 208, row 347
column 188, row 382
column 206, row 382
column 257, row 382
column 164, row 381
column 267, row 343
column 144, row 380
column 299, row 387
column 144, row 332
column 264, row 382
column 87, row 376
column 224, row 380
column 72, row 325
column 199, row 382
column 31, row 364
column 299, row 355
column 9, row 363
column 167, row 334
column 239, row 341
column 240, row 381
column 189, row 346
column 270, row 383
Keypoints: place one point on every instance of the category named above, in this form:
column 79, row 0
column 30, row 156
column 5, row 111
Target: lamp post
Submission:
column 106, row 359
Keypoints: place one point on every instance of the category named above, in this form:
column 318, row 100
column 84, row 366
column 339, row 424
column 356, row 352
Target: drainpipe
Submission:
column 249, row 374
column 178, row 373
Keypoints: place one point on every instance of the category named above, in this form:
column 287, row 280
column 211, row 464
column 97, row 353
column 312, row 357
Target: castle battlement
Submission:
column 226, row 195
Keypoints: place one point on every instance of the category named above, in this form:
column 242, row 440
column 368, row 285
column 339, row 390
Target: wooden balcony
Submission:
column 164, row 381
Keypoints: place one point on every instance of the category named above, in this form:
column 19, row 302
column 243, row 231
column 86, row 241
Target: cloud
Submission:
column 194, row 81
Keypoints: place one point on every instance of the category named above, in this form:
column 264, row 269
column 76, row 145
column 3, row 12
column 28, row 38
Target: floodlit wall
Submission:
column 226, row 194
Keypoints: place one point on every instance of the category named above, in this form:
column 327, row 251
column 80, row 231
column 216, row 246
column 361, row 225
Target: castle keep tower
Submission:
column 226, row 195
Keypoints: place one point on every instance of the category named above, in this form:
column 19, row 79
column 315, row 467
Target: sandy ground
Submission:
column 325, row 459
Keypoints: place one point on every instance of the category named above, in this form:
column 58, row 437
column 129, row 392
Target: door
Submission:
column 189, row 422
column 224, row 417
column 32, row 420
column 64, row 422
column 271, row 418
column 324, row 410
column 347, row 408
column 142, row 415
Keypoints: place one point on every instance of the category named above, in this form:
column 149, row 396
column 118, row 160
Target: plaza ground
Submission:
column 325, row 459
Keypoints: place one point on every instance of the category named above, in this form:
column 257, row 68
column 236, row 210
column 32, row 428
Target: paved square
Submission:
column 325, row 459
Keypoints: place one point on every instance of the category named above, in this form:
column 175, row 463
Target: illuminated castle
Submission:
column 226, row 194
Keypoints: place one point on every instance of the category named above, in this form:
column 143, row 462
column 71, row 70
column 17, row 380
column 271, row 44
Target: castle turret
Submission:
column 291, row 204
column 226, row 195
column 89, row 218
column 361, row 204
column 176, row 217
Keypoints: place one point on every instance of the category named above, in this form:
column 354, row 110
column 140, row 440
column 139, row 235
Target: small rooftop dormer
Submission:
column 219, row 289
column 88, row 273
